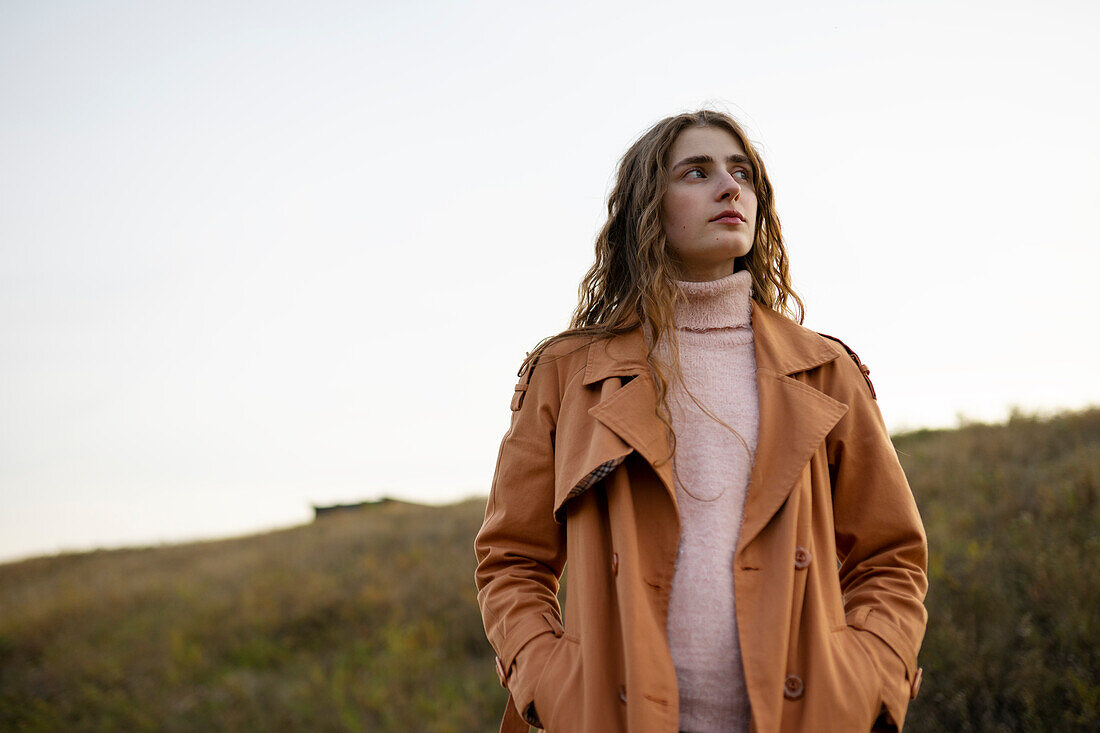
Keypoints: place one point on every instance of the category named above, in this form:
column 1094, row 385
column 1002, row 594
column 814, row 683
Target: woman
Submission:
column 744, row 550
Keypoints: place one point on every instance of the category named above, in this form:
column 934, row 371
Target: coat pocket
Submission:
column 559, row 691
column 868, row 679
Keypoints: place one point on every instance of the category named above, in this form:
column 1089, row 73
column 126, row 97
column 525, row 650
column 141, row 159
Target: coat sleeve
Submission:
column 880, row 541
column 520, row 548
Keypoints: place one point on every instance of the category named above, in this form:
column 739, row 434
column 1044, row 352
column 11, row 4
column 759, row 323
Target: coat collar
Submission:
column 794, row 417
column 782, row 346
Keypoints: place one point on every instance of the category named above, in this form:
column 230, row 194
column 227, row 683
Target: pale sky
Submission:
column 257, row 255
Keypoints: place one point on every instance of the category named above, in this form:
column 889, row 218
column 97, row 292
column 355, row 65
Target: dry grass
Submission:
column 1013, row 522
column 369, row 622
column 366, row 621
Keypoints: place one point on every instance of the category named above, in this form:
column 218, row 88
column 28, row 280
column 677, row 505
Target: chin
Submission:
column 738, row 250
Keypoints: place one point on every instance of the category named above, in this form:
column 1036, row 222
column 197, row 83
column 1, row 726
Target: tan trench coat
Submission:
column 829, row 572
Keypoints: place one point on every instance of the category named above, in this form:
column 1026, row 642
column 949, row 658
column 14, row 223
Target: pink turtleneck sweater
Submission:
column 712, row 468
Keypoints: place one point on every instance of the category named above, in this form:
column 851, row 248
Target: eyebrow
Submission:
column 699, row 159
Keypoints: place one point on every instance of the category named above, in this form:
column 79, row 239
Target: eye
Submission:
column 689, row 171
column 743, row 173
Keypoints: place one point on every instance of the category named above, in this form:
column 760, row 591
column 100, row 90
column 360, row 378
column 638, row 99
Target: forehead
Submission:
column 713, row 141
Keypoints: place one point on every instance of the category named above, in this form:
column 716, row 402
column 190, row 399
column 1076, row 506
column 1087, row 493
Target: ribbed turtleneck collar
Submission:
column 722, row 303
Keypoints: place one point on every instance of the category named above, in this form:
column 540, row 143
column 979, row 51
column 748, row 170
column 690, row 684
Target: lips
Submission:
column 729, row 214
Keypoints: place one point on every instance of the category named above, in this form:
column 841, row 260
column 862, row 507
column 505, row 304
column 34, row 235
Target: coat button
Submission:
column 793, row 687
column 802, row 557
column 622, row 694
column 614, row 563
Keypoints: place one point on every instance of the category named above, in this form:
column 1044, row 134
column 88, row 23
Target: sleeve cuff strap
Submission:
column 525, row 630
column 864, row 618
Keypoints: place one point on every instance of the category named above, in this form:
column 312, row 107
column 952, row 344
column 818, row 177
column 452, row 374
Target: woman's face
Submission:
column 709, row 211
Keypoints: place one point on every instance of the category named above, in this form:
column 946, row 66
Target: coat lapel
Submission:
column 794, row 417
column 631, row 413
column 625, row 415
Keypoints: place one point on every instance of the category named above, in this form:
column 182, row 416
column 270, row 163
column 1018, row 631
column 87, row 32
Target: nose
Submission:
column 729, row 187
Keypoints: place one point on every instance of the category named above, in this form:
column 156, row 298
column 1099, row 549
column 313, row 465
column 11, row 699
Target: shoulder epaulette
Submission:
column 863, row 368
column 524, row 383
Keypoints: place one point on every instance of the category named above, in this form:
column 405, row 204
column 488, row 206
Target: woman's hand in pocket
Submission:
column 890, row 675
column 528, row 666
column 558, row 696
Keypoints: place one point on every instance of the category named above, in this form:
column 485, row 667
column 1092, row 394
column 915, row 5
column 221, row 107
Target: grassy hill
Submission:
column 1013, row 519
column 367, row 620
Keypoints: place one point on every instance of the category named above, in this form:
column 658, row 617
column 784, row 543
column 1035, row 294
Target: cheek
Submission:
column 753, row 209
column 675, row 212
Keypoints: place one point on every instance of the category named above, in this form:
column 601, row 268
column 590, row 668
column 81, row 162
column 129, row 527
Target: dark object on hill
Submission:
column 322, row 511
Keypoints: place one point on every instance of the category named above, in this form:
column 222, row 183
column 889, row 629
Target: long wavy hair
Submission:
column 632, row 281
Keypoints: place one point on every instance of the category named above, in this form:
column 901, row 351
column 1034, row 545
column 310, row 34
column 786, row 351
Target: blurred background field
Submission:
column 367, row 620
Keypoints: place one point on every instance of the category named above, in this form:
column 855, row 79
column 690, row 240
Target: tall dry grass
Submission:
column 368, row 621
column 1013, row 519
column 362, row 622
